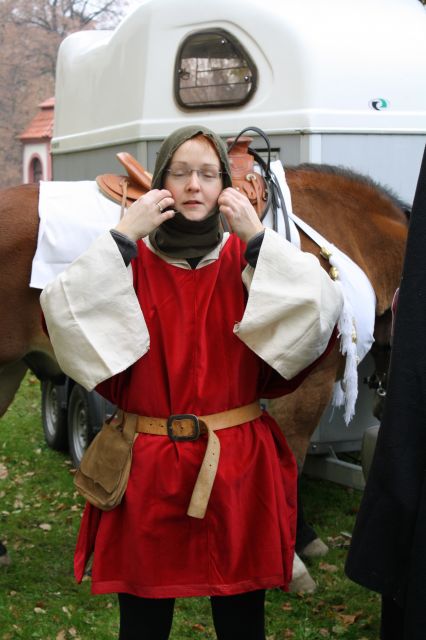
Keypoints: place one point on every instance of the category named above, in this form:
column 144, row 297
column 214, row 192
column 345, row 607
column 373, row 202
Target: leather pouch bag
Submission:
column 104, row 469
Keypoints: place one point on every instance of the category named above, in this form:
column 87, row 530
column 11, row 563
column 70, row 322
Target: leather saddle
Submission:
column 125, row 189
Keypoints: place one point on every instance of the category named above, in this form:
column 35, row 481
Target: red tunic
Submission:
column 148, row 546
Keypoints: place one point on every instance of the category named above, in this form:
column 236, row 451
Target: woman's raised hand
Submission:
column 146, row 214
column 239, row 213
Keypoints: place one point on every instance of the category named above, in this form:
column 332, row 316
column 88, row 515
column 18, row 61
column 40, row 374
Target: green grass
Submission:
column 39, row 518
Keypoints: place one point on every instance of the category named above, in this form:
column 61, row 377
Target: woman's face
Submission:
column 195, row 194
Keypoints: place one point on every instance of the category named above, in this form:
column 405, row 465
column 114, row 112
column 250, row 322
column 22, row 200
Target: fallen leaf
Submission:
column 347, row 619
column 39, row 610
column 61, row 635
column 330, row 568
column 45, row 526
column 3, row 471
column 198, row 627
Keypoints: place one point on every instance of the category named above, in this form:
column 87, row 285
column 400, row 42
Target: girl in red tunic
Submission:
column 235, row 539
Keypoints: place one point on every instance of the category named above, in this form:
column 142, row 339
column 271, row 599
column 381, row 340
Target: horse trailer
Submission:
column 331, row 82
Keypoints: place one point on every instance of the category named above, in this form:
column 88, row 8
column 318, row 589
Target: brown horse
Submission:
column 350, row 211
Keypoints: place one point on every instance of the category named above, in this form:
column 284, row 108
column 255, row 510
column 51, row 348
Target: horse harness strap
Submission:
column 189, row 427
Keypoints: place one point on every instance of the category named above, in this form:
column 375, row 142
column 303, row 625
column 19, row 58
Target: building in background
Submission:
column 36, row 156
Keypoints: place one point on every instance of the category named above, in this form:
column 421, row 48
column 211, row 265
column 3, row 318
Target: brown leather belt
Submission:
column 187, row 427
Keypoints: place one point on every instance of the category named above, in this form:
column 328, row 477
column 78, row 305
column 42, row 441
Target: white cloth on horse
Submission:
column 72, row 216
column 356, row 322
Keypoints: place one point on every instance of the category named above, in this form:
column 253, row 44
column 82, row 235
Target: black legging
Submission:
column 239, row 617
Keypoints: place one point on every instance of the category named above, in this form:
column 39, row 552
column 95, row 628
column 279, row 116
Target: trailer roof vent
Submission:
column 213, row 70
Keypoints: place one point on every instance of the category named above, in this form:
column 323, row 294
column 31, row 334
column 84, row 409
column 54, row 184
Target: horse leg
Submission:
column 308, row 544
column 11, row 376
column 298, row 415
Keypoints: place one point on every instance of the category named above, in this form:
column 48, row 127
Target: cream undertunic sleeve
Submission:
column 93, row 316
column 292, row 309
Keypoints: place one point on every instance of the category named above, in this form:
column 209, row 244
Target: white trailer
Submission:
column 332, row 82
column 336, row 81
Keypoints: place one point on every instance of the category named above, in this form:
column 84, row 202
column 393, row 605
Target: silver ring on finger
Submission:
column 159, row 207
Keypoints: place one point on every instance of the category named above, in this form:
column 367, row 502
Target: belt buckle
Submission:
column 183, row 416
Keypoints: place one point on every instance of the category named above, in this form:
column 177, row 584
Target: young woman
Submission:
column 209, row 323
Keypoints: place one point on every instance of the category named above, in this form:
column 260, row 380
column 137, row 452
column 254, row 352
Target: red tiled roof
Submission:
column 41, row 126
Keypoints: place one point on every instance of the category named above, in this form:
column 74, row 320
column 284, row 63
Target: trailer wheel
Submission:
column 85, row 417
column 54, row 415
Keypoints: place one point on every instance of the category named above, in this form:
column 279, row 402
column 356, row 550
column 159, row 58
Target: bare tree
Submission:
column 64, row 16
column 55, row 19
column 30, row 34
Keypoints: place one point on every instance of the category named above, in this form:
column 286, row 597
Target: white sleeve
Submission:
column 93, row 316
column 292, row 308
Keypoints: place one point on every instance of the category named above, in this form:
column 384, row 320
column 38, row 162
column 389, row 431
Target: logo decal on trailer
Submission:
column 379, row 104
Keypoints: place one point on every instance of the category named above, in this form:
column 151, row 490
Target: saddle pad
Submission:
column 72, row 216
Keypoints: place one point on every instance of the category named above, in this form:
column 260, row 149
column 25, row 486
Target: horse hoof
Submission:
column 301, row 581
column 315, row 549
column 303, row 584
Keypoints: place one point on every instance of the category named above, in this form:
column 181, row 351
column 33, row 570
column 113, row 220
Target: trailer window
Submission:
column 213, row 70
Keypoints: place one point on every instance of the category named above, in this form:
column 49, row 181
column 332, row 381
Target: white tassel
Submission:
column 338, row 395
column 346, row 391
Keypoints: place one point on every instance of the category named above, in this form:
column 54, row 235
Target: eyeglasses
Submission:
column 182, row 173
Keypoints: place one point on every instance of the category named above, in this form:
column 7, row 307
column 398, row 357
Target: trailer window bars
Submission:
column 213, row 70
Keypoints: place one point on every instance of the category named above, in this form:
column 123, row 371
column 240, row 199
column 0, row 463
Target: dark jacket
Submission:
column 388, row 549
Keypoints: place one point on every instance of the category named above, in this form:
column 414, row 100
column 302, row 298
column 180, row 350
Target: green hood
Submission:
column 174, row 140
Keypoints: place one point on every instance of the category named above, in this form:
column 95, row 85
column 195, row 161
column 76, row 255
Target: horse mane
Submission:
column 350, row 174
